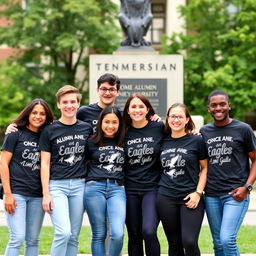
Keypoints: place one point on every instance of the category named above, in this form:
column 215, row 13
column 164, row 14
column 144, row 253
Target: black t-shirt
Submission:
column 142, row 169
column 227, row 148
column 66, row 143
column 180, row 163
column 106, row 162
column 25, row 163
column 90, row 114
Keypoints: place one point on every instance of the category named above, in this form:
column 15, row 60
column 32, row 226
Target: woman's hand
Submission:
column 155, row 118
column 47, row 203
column 193, row 200
column 10, row 204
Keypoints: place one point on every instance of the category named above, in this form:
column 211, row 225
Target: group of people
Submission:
column 125, row 167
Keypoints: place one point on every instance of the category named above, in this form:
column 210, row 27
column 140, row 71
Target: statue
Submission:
column 135, row 18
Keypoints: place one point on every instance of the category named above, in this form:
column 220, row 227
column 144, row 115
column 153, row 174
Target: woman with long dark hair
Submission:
column 20, row 175
column 142, row 143
column 104, row 195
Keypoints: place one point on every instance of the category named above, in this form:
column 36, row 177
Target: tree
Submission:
column 54, row 36
column 13, row 98
column 220, row 52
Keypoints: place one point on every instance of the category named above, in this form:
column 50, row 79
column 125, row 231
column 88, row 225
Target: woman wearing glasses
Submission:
column 184, row 164
column 142, row 144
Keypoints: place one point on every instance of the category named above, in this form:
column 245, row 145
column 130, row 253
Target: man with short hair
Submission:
column 62, row 145
column 108, row 88
column 230, row 144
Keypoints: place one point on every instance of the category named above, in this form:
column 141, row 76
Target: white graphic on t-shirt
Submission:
column 31, row 156
column 140, row 154
column 113, row 157
column 70, row 160
column 171, row 165
column 71, row 152
column 111, row 161
column 220, row 152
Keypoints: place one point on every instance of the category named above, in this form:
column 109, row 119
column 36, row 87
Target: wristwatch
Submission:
column 199, row 192
column 249, row 187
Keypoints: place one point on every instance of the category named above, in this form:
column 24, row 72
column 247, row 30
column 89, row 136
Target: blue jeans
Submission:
column 105, row 201
column 25, row 224
column 67, row 215
column 225, row 216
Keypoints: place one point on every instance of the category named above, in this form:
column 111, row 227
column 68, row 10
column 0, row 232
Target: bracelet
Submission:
column 199, row 192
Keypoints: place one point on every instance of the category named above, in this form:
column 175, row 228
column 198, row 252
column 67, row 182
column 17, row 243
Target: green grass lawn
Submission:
column 246, row 240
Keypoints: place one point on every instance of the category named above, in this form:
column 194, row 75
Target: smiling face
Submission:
column 107, row 94
column 137, row 110
column 219, row 108
column 36, row 118
column 68, row 105
column 110, row 125
column 177, row 120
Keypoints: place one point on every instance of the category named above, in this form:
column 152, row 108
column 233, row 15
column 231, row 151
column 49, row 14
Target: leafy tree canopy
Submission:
column 54, row 36
column 219, row 52
column 13, row 98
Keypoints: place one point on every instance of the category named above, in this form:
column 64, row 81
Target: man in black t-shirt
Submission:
column 230, row 144
column 108, row 88
column 62, row 145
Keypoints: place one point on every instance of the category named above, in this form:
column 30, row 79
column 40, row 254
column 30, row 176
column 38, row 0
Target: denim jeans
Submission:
column 105, row 201
column 67, row 215
column 25, row 224
column 225, row 216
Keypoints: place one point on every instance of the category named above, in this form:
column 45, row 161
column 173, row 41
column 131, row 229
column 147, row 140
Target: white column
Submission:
column 173, row 21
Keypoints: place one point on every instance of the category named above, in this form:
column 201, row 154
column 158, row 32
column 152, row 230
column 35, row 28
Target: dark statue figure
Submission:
column 135, row 18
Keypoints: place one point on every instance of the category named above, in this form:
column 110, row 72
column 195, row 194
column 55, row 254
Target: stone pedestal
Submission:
column 159, row 77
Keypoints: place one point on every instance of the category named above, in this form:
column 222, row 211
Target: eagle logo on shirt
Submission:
column 70, row 160
column 172, row 171
column 111, row 162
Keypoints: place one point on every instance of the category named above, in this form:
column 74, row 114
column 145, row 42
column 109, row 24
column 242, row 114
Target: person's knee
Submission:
column 217, row 244
column 63, row 236
column 32, row 241
column 16, row 240
column 73, row 240
column 99, row 234
column 190, row 244
column 135, row 235
column 117, row 235
column 228, row 241
column 148, row 234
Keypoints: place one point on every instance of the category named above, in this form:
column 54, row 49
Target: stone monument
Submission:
column 135, row 18
column 139, row 67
